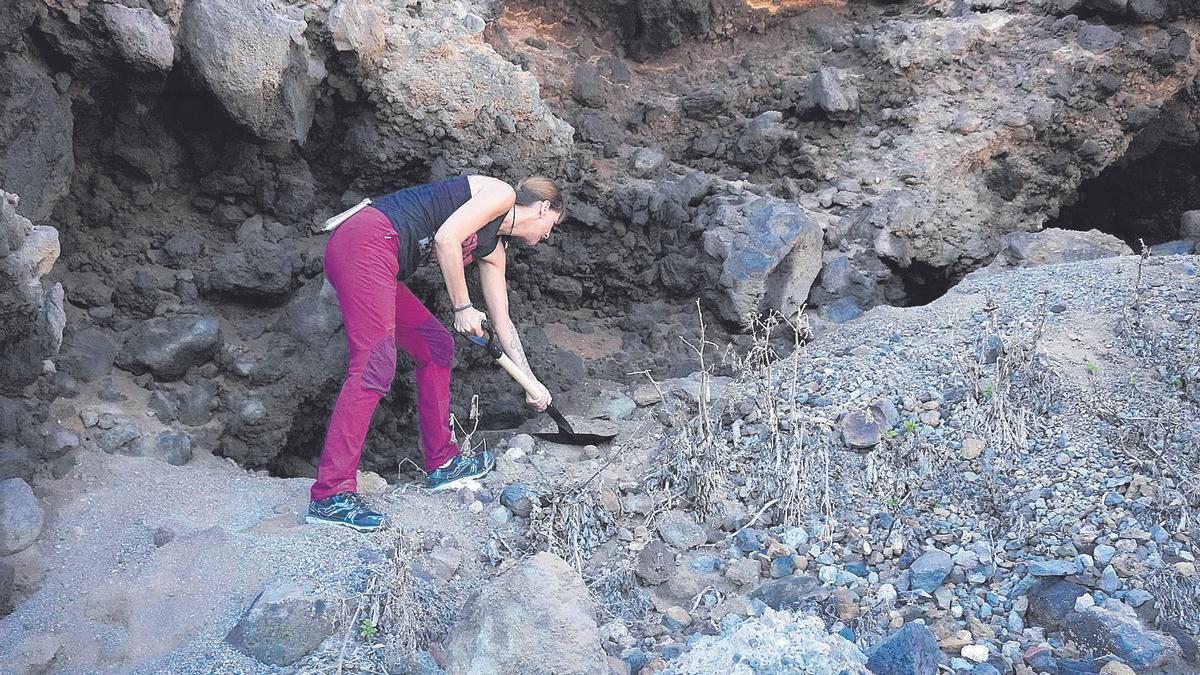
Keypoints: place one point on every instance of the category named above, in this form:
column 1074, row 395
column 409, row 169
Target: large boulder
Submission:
column 255, row 269
column 1118, row 631
column 36, row 153
column 770, row 253
column 1053, row 246
column 534, row 619
column 32, row 317
column 1050, row 601
column 256, row 62
column 167, row 347
column 20, row 516
column 286, row 621
column 776, row 642
column 142, row 38
column 357, row 26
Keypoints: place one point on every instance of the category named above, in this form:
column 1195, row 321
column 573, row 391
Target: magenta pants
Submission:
column 380, row 314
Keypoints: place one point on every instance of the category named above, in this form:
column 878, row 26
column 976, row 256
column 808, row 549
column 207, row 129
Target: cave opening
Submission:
column 923, row 283
column 1140, row 198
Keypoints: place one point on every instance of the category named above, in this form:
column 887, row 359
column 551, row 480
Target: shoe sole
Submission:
column 317, row 520
column 457, row 482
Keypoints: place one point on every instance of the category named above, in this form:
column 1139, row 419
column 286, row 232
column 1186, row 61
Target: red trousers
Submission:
column 380, row 314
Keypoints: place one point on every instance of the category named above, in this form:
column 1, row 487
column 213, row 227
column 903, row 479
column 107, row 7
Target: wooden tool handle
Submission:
column 527, row 383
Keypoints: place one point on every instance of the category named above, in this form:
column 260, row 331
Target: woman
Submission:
column 368, row 259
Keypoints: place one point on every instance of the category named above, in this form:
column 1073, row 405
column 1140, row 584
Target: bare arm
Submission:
column 490, row 197
column 495, row 293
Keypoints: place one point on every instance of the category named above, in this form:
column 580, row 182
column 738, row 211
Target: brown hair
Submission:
column 538, row 189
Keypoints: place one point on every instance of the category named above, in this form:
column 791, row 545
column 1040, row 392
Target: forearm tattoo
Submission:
column 516, row 352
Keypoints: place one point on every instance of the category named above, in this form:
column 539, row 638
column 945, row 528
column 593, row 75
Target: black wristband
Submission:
column 466, row 306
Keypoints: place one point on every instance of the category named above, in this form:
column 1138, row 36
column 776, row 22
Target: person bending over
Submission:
column 369, row 258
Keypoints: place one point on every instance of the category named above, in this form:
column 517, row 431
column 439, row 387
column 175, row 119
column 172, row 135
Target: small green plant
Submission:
column 909, row 426
column 989, row 391
column 1093, row 367
column 366, row 630
column 891, row 503
column 1178, row 382
column 890, row 434
column 1132, row 379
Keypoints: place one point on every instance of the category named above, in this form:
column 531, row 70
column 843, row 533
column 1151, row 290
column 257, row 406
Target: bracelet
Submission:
column 466, row 306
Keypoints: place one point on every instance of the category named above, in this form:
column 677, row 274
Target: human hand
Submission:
column 470, row 322
column 542, row 400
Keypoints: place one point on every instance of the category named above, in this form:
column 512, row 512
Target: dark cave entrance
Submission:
column 1141, row 198
column 923, row 283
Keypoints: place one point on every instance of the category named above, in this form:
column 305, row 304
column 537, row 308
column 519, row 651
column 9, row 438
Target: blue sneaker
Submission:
column 461, row 469
column 345, row 508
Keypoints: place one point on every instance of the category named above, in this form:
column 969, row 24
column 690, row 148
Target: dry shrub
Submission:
column 570, row 521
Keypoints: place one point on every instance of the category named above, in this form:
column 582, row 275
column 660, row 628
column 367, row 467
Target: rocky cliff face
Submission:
column 757, row 156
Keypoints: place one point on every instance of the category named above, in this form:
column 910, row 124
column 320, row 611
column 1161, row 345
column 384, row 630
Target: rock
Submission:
column 833, row 93
column 118, row 438
column 284, row 623
column 861, row 430
column 256, row 63
column 21, row 516
column 142, row 38
column 646, row 395
column 789, row 592
column 167, row 347
column 646, row 162
column 976, row 653
column 8, row 576
column 587, row 87
column 492, row 632
column 1104, row 553
column 197, row 403
column 841, row 310
column 655, row 563
column 1104, row 630
column 37, row 159
column 1053, row 246
column 89, row 354
column 776, row 642
column 743, row 572
column 1097, row 38
column 770, row 253
column 912, row 650
column 929, row 570
column 1050, row 601
column 519, row 499
column 357, row 26
column 1053, row 568
column 1189, row 225
column 676, row 618
column 971, row 448
column 1116, row 668
column 254, row 268
column 680, row 530
column 885, row 413
column 172, row 447
column 761, row 140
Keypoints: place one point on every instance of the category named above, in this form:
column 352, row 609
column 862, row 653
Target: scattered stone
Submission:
column 929, row 570
column 1120, row 633
column 1053, row 568
column 743, row 572
column 976, row 653
column 680, row 530
column 1050, row 601
column 912, row 650
column 971, row 448
column 142, row 38
column 285, row 622
column 118, row 437
column 492, row 632
column 833, row 93
column 519, row 499
column 676, row 618
column 21, row 516
column 789, row 592
column 776, row 642
column 861, row 430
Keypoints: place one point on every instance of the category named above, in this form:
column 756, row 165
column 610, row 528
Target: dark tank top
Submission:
column 417, row 212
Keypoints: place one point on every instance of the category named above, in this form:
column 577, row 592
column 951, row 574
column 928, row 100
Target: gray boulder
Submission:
column 1119, row 632
column 790, row 592
column 88, row 355
column 167, row 347
column 36, row 153
column 912, row 650
column 172, row 447
column 761, row 140
column 255, row 268
column 21, row 516
column 861, row 430
column 286, row 621
column 256, row 62
column 141, row 36
column 534, row 619
column 1098, row 38
column 118, row 438
column 770, row 253
column 833, row 93
column 1053, row 246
